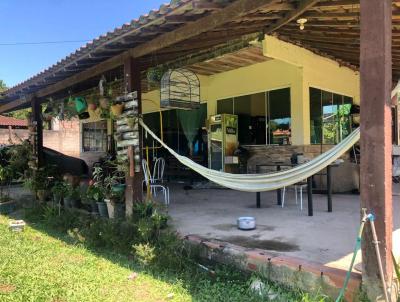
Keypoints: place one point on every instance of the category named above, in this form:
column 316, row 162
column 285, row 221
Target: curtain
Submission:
column 191, row 121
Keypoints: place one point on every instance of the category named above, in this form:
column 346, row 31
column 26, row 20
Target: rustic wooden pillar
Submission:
column 38, row 123
column 133, row 182
column 376, row 138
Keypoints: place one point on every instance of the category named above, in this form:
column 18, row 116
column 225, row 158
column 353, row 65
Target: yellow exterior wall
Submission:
column 256, row 78
column 318, row 72
column 290, row 66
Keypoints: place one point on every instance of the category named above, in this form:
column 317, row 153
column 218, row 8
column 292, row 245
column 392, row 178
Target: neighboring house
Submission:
column 64, row 136
column 8, row 126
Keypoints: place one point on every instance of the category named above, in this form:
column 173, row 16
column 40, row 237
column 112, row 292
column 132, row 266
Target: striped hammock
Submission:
column 265, row 182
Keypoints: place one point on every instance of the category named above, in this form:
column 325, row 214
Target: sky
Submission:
column 23, row 21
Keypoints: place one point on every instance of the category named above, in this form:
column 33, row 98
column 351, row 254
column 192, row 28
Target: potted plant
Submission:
column 114, row 194
column 98, row 183
column 155, row 74
column 91, row 196
column 59, row 191
column 72, row 196
column 117, row 108
column 38, row 182
column 104, row 103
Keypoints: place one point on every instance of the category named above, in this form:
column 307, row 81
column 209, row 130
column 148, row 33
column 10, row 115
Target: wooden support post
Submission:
column 310, row 197
column 329, row 187
column 37, row 121
column 376, row 138
column 133, row 180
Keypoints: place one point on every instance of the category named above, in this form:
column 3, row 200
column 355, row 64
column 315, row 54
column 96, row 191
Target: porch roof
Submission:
column 196, row 27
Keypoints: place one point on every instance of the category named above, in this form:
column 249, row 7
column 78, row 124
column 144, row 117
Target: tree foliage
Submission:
column 3, row 86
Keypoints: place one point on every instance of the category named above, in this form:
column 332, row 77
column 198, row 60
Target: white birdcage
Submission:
column 180, row 89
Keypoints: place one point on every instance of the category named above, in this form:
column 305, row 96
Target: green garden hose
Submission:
column 356, row 249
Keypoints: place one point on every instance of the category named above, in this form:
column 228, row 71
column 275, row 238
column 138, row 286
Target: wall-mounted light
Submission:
column 301, row 22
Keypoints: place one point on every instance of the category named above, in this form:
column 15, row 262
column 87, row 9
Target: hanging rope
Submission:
column 265, row 182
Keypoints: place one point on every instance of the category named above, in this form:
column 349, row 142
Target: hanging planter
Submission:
column 155, row 74
column 84, row 115
column 80, row 104
column 95, row 114
column 117, row 109
column 180, row 89
column 104, row 103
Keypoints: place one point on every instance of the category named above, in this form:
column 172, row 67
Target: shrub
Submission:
column 144, row 253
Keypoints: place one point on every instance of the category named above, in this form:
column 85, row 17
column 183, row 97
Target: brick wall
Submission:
column 345, row 177
column 65, row 138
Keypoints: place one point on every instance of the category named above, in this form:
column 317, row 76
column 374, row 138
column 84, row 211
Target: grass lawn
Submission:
column 42, row 264
column 37, row 267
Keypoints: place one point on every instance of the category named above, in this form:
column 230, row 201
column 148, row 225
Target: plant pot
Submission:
column 119, row 210
column 115, row 209
column 93, row 206
column 102, row 207
column 119, row 188
column 92, row 107
column 7, row 207
column 117, row 109
column 42, row 195
column 70, row 202
column 94, row 114
column 104, row 103
column 110, row 208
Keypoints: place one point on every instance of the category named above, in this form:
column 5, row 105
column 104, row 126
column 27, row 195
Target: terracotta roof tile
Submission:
column 10, row 121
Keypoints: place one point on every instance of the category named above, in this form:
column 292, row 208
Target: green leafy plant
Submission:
column 59, row 189
column 72, row 192
column 143, row 209
column 92, row 193
column 396, row 269
column 18, row 158
column 5, row 181
column 154, row 74
column 39, row 180
column 144, row 253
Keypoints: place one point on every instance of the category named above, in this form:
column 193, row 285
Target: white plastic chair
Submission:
column 158, row 170
column 153, row 186
column 298, row 188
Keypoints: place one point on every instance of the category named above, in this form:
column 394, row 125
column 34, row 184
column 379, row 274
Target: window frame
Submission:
column 339, row 133
column 96, row 130
column 268, row 139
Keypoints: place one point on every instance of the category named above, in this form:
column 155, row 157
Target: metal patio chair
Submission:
column 298, row 189
column 158, row 170
column 153, row 186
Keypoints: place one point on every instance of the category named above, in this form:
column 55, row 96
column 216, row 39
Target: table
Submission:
column 278, row 166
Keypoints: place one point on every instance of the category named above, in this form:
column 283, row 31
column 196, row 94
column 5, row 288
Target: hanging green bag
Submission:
column 80, row 104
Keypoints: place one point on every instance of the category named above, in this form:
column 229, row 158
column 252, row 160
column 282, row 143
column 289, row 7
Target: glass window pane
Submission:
column 94, row 137
column 329, row 112
column 242, row 105
column 225, row 106
column 279, row 115
column 345, row 117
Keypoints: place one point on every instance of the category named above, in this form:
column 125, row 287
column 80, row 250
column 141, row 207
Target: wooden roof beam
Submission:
column 235, row 10
column 291, row 15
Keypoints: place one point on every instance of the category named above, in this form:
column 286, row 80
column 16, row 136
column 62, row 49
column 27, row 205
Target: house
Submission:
column 289, row 70
column 62, row 136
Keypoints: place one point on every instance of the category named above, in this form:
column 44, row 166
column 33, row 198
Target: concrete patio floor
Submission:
column 325, row 238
